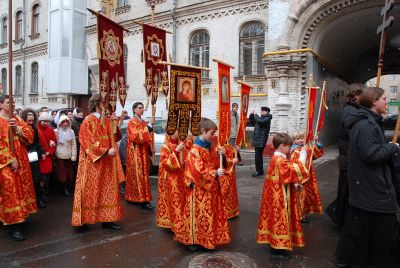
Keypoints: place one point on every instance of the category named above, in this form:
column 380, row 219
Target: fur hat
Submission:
column 62, row 119
column 44, row 116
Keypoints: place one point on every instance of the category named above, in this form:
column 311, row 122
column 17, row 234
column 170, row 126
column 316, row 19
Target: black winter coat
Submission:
column 370, row 179
column 348, row 114
column 262, row 125
column 35, row 147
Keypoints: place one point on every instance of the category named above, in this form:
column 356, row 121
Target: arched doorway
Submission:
column 343, row 34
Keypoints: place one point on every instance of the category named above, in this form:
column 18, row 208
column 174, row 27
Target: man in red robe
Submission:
column 137, row 187
column 17, row 194
column 97, row 197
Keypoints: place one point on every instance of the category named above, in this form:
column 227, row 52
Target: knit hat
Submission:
column 45, row 117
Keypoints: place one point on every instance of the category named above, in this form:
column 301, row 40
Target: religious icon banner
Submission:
column 224, row 103
column 111, row 62
column 185, row 101
column 155, row 50
column 320, row 124
column 312, row 96
column 244, row 107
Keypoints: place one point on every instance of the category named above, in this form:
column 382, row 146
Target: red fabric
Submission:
column 312, row 93
column 244, row 100
column 224, row 103
column 321, row 120
column 111, row 62
column 46, row 134
column 155, row 50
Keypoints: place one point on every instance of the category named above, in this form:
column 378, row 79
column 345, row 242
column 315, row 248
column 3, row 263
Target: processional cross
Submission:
column 382, row 30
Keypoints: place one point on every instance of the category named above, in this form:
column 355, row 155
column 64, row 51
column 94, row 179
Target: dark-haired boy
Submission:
column 279, row 219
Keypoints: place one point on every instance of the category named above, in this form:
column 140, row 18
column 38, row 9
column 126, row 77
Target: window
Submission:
column 251, row 44
column 122, row 3
column 4, row 30
column 18, row 26
column 4, row 79
column 199, row 51
column 394, row 89
column 18, row 75
column 35, row 19
column 34, row 78
column 125, row 61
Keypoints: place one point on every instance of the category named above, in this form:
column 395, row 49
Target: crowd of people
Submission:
column 197, row 192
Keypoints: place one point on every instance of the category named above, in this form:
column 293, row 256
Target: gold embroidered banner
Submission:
column 155, row 50
column 185, row 101
column 224, row 103
column 111, row 62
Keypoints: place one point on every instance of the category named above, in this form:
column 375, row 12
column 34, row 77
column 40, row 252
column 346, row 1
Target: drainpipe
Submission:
column 175, row 4
column 22, row 49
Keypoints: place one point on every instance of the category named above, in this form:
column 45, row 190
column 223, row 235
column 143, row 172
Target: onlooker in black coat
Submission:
column 338, row 208
column 370, row 235
column 262, row 125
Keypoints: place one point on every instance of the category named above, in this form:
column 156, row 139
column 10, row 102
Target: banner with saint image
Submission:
column 185, row 101
column 312, row 97
column 244, row 108
column 224, row 103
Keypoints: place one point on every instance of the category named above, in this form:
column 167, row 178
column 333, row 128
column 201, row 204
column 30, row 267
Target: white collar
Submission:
column 96, row 114
column 279, row 154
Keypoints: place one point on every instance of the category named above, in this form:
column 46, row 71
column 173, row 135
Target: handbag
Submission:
column 33, row 157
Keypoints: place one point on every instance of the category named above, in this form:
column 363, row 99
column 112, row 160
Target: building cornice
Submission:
column 190, row 14
column 30, row 52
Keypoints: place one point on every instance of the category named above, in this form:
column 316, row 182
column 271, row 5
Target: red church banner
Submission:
column 224, row 103
column 244, row 107
column 155, row 50
column 312, row 96
column 111, row 62
column 185, row 101
column 323, row 107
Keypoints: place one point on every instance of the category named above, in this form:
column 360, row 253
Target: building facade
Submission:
column 333, row 40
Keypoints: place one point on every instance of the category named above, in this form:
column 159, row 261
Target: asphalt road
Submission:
column 52, row 242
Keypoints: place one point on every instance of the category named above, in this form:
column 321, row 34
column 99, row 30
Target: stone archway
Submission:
column 343, row 33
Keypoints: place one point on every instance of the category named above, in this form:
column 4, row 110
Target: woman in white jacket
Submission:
column 66, row 154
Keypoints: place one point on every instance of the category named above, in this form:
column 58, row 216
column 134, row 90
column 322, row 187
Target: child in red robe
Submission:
column 204, row 217
column 310, row 197
column 279, row 219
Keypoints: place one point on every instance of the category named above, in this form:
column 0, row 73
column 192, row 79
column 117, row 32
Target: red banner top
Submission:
column 111, row 62
column 155, row 50
column 244, row 107
column 320, row 124
column 224, row 103
column 312, row 93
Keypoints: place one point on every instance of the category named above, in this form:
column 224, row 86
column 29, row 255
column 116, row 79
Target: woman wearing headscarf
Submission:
column 65, row 153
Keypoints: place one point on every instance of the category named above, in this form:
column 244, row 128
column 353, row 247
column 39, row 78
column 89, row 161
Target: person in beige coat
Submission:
column 66, row 154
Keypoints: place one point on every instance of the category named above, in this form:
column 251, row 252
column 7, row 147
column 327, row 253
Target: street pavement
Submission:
column 53, row 242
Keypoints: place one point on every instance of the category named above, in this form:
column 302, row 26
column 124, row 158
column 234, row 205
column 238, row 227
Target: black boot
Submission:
column 39, row 201
column 66, row 191
column 15, row 233
column 148, row 206
column 111, row 225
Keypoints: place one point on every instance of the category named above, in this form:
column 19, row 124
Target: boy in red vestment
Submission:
column 204, row 218
column 100, row 172
column 310, row 197
column 279, row 219
column 137, row 158
column 17, row 194
column 171, row 186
